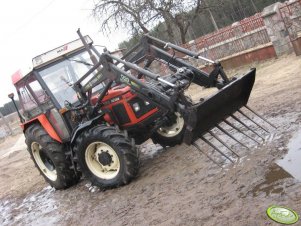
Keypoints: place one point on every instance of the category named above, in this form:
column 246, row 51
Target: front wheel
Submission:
column 106, row 156
column 172, row 134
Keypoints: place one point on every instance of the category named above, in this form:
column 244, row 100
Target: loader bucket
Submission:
column 206, row 115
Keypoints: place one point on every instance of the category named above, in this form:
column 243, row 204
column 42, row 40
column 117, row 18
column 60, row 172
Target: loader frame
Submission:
column 199, row 118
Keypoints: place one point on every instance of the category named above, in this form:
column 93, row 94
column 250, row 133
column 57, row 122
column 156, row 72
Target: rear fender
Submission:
column 42, row 119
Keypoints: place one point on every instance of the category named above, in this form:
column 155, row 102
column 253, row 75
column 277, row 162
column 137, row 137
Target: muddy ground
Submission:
column 177, row 186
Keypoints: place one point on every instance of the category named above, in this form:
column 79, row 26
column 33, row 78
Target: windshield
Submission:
column 59, row 77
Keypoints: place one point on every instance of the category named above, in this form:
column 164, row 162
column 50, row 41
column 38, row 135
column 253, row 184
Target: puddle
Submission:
column 292, row 161
column 5, row 210
column 273, row 183
column 288, row 167
column 35, row 209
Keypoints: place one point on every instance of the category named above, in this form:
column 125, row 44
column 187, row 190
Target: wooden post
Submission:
column 6, row 124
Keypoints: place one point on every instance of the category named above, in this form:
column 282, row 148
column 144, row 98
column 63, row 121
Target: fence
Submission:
column 243, row 35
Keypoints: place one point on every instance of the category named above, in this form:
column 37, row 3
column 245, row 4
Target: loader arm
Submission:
column 151, row 92
column 156, row 48
column 167, row 92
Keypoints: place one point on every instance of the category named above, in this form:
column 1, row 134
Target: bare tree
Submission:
column 178, row 15
column 129, row 14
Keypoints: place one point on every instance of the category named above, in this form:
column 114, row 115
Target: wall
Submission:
column 276, row 29
column 262, row 36
column 291, row 15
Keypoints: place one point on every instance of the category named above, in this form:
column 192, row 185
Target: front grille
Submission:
column 120, row 114
column 143, row 107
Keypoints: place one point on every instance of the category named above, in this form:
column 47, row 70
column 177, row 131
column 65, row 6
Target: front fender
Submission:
column 83, row 126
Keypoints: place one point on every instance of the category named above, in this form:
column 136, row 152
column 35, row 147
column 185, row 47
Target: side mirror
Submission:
column 11, row 95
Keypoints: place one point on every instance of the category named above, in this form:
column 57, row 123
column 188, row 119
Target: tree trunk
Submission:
column 211, row 17
column 183, row 36
column 254, row 6
column 169, row 28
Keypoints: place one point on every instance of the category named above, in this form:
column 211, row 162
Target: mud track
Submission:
column 177, row 186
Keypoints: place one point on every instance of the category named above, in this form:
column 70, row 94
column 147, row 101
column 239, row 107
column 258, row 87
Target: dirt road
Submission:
column 178, row 186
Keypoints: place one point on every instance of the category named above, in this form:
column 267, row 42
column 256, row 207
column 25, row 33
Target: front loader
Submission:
column 84, row 111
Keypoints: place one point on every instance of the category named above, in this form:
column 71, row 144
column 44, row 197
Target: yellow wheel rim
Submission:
column 102, row 160
column 173, row 130
column 43, row 161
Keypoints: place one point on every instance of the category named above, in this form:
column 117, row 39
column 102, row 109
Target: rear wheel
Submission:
column 106, row 156
column 172, row 134
column 50, row 158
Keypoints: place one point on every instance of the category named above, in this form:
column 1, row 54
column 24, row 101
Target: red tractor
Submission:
column 83, row 112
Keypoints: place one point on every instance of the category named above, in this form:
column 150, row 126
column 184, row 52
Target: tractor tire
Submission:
column 170, row 136
column 50, row 158
column 106, row 156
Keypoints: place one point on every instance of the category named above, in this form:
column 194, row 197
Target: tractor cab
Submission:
column 52, row 78
column 54, row 87
column 58, row 69
column 44, row 90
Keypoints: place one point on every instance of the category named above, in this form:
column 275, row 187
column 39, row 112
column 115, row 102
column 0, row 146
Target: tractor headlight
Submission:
column 146, row 103
column 136, row 107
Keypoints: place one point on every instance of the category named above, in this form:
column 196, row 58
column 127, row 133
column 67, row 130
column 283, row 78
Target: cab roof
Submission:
column 54, row 54
column 49, row 57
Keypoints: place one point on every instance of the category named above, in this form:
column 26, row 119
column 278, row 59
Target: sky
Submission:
column 32, row 27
